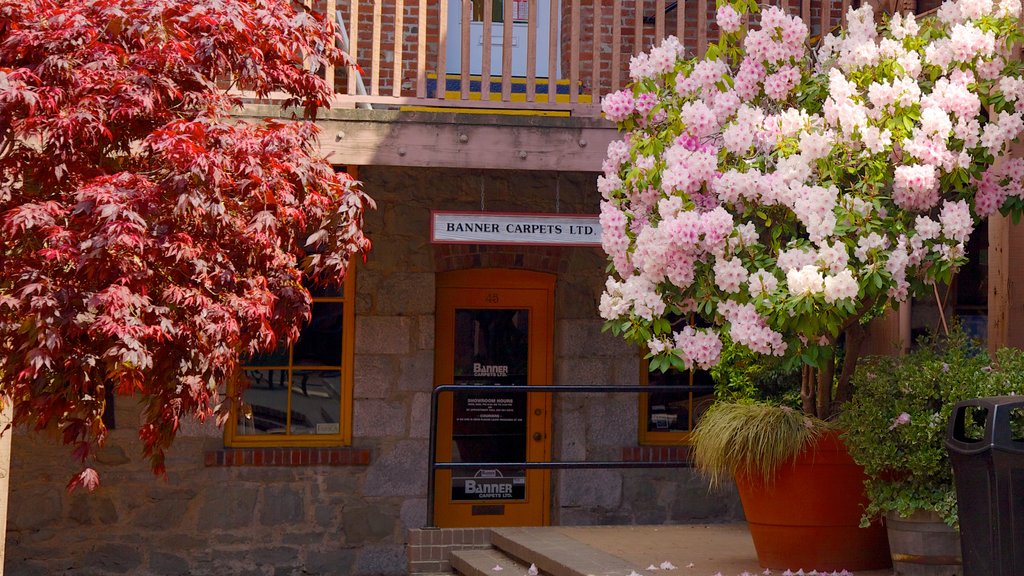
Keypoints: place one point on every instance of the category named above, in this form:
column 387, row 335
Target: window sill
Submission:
column 286, row 457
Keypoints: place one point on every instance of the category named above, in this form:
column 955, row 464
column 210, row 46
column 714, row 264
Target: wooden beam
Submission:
column 998, row 282
column 471, row 141
column 884, row 335
column 396, row 72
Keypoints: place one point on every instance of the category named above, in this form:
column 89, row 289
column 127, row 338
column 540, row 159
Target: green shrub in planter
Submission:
column 896, row 420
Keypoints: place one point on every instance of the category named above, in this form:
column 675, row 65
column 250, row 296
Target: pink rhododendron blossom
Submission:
column 840, row 286
column 778, row 85
column 617, row 106
column 640, row 67
column 749, row 328
column 728, row 19
column 729, row 274
column 834, row 257
column 700, row 347
column 916, row 187
column 613, row 237
column 762, row 283
column 901, row 420
column 957, row 223
column 795, row 259
column 734, row 197
column 644, row 103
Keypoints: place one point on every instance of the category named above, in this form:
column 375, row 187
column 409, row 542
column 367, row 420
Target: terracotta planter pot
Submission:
column 923, row 545
column 809, row 517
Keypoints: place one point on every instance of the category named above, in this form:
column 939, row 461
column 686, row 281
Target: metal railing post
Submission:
column 432, row 469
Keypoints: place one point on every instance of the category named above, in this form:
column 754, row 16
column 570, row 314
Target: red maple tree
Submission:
column 148, row 240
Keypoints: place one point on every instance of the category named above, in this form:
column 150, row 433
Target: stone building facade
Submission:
column 349, row 509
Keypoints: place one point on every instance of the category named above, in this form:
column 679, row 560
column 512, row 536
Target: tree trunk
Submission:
column 807, row 389
column 826, row 377
column 855, row 336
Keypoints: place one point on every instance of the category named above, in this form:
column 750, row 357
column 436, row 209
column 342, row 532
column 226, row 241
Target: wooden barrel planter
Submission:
column 809, row 517
column 923, row 545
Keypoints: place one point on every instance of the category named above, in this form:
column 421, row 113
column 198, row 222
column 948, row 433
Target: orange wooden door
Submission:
column 493, row 328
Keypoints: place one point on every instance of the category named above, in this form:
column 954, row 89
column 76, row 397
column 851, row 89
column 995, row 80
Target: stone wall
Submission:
column 348, row 511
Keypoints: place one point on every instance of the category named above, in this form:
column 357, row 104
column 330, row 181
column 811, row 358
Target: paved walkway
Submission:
column 695, row 550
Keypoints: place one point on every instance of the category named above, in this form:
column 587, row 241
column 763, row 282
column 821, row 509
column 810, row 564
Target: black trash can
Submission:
column 988, row 469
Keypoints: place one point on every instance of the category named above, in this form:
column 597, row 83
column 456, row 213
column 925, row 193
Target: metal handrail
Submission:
column 548, row 465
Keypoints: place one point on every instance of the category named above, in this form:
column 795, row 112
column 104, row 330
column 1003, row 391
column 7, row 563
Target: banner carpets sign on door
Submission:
column 509, row 228
column 489, row 485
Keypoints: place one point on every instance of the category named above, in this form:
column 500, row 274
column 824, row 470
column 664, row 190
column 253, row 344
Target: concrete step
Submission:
column 481, row 562
column 556, row 554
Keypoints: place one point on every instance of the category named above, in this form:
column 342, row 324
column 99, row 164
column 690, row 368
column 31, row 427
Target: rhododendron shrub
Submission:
column 147, row 239
column 780, row 193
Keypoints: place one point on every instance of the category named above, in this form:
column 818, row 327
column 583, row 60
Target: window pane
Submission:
column 321, row 290
column 267, row 398
column 497, row 10
column 672, row 410
column 278, row 357
column 316, row 402
column 319, row 343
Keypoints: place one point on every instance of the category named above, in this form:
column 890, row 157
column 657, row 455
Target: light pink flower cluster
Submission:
column 663, row 57
column 640, row 67
column 841, row 286
column 997, row 183
column 728, row 19
column 636, row 295
column 613, row 237
column 762, row 283
column 687, row 170
column 704, row 76
column 778, row 85
column 1001, row 131
column 700, row 347
column 780, row 38
column 915, row 187
column 747, row 82
column 645, row 102
column 607, row 185
column 618, row 105
column 699, row 120
column 748, row 328
column 955, row 97
column 957, row 223
column 834, row 257
column 795, row 259
column 815, row 206
column 730, row 274
column 902, row 420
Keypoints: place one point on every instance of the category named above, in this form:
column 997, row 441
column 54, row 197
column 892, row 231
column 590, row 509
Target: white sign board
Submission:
column 506, row 228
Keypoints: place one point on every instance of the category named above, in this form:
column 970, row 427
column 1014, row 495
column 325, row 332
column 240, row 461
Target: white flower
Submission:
column 840, row 286
column 806, row 281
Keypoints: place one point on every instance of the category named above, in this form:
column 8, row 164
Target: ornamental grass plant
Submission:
column 895, row 424
column 751, row 439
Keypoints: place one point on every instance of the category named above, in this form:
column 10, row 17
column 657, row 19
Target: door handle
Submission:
column 537, row 436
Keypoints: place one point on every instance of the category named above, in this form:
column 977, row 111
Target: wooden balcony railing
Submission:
column 558, row 56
